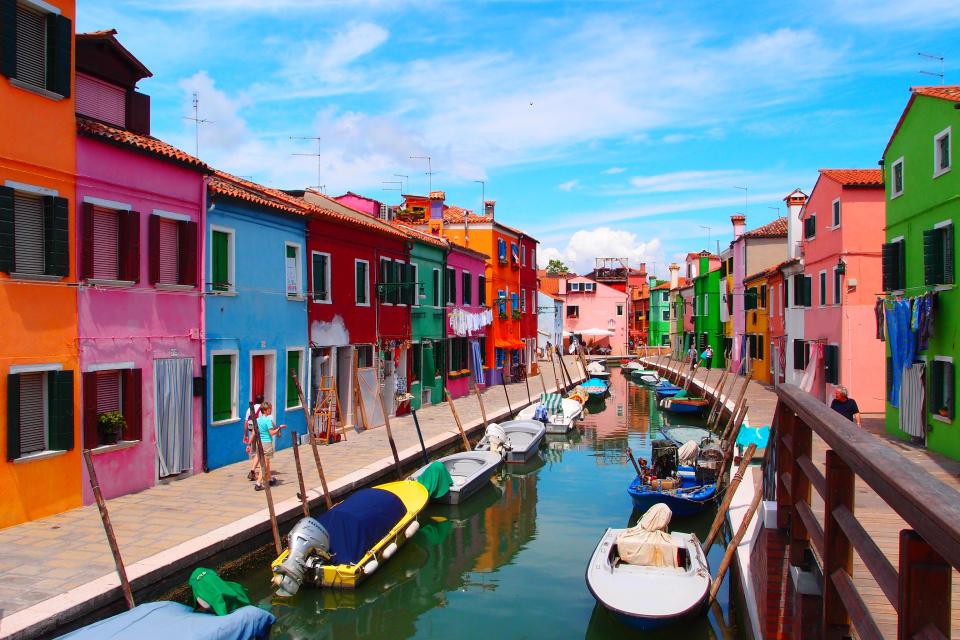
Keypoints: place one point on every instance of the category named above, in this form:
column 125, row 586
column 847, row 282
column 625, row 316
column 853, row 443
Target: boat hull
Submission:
column 682, row 503
column 483, row 464
column 684, row 406
column 557, row 424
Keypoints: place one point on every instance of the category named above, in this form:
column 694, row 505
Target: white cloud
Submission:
column 584, row 246
column 569, row 185
column 687, row 181
column 613, row 171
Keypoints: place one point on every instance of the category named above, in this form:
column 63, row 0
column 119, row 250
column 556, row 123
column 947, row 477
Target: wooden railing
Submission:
column 919, row 588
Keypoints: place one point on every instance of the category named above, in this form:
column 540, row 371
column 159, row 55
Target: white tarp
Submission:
column 688, row 452
column 649, row 544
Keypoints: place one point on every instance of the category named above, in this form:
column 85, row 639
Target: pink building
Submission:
column 593, row 305
column 468, row 266
column 843, row 229
column 140, row 209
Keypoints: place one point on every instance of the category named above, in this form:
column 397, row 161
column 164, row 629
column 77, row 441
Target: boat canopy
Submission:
column 436, row 479
column 552, row 402
column 358, row 523
column 648, row 544
column 165, row 620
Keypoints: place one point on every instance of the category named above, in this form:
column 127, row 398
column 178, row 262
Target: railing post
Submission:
column 924, row 587
column 799, row 492
column 838, row 553
column 784, row 465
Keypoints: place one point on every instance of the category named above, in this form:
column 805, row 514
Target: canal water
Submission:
column 510, row 562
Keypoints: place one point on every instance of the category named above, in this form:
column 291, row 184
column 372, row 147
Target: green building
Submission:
column 428, row 255
column 659, row 332
column 919, row 257
column 706, row 307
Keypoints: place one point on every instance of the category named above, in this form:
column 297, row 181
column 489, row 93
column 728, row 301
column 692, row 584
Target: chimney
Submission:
column 436, row 204
column 488, row 206
column 739, row 222
column 674, row 275
column 796, row 201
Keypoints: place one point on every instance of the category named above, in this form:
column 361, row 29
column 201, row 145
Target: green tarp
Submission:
column 221, row 596
column 436, row 479
column 552, row 402
column 680, row 394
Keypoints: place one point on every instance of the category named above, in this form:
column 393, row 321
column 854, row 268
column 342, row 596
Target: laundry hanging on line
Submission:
column 464, row 323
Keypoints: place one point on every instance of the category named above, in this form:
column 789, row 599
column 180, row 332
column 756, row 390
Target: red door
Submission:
column 258, row 377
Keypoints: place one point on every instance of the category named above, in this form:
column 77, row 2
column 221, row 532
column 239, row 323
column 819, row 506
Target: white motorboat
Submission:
column 558, row 421
column 469, row 470
column 596, row 370
column 517, row 440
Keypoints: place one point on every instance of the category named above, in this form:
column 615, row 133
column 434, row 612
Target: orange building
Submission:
column 39, row 374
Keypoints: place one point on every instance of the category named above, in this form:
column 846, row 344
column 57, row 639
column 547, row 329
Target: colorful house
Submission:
column 592, row 307
column 659, row 296
column 756, row 304
column 685, row 315
column 843, row 224
column 549, row 320
column 256, row 311
column 468, row 317
column 706, row 307
column 776, row 322
column 39, row 364
column 920, row 259
column 141, row 209
column 795, row 295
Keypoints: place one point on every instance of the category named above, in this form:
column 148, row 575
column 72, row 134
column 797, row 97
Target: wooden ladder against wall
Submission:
column 326, row 414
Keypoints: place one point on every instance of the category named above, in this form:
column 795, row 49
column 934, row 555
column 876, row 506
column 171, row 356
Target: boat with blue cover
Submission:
column 164, row 620
column 687, row 489
column 666, row 390
column 596, row 386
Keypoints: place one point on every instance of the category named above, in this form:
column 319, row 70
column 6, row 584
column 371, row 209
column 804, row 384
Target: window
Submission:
column 110, row 243
column 438, row 358
column 498, row 357
column 501, row 250
column 361, row 283
column 436, row 287
column 941, row 153
column 173, row 250
column 523, row 256
column 763, row 297
column 403, row 275
column 823, row 288
column 831, row 363
column 894, row 266
column 666, row 296
column 941, row 388
column 414, row 284
column 801, row 354
column 101, row 100
column 364, row 356
column 481, row 290
column 34, row 236
column 938, row 260
column 802, row 290
column 221, row 259
column 387, row 290
column 574, row 286
column 502, row 302
column 321, row 276
column 514, row 303
column 573, row 311
column 836, row 213
column 619, row 309
column 896, row 178
column 810, row 227
column 589, row 286
column 224, row 398
column 837, row 284
column 106, row 391
column 666, row 315
column 459, row 355
column 523, row 300
column 292, row 270
column 514, row 254
column 750, row 299
column 39, row 410
column 451, row 286
column 294, row 375
column 37, row 48
column 466, row 293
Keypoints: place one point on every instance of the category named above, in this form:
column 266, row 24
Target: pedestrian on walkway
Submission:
column 846, row 406
column 692, row 356
column 249, row 432
column 266, row 429
column 706, row 358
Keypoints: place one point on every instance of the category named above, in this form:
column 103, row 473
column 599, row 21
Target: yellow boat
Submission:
column 343, row 546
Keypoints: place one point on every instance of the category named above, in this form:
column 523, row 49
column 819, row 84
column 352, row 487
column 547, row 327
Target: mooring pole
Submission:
column 423, row 448
column 108, row 529
column 296, row 460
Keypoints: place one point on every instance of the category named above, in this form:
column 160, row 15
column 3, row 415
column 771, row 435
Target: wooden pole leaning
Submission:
column 266, row 490
column 393, row 445
column 732, row 547
column 108, row 529
column 503, row 383
column 739, row 401
column 296, row 459
column 323, row 478
column 563, row 365
column 483, row 410
column 728, row 496
column 542, row 382
column 456, row 418
column 526, row 381
column 718, row 394
column 556, row 376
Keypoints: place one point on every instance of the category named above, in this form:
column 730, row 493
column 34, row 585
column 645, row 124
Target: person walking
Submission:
column 266, row 430
column 706, row 358
column 692, row 356
column 846, row 406
column 249, row 432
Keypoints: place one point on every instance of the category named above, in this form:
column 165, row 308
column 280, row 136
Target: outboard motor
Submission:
column 709, row 464
column 307, row 543
column 663, row 458
column 496, row 438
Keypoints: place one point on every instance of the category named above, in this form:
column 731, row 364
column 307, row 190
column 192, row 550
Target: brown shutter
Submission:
column 138, row 113
column 154, row 240
column 132, row 381
column 86, row 243
column 187, row 258
column 91, row 438
column 130, row 246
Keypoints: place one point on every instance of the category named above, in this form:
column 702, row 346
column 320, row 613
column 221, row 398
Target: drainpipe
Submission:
column 203, row 323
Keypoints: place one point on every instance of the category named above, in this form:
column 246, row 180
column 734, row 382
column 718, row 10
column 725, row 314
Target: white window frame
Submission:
column 302, row 350
column 575, row 286
column 619, row 309
column 366, row 284
column 450, row 297
column 437, row 289
column 836, row 213
column 893, row 182
column 268, row 375
column 822, row 282
column 299, row 296
column 590, row 286
column 935, row 416
column 231, row 259
column 523, row 255
column 399, row 274
column 234, row 386
column 329, row 279
column 470, row 278
column 937, row 170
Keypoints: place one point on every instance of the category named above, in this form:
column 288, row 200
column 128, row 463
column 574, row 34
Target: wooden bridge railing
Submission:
column 919, row 588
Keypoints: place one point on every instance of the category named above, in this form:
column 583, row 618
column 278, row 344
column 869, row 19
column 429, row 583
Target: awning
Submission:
column 500, row 343
column 517, row 344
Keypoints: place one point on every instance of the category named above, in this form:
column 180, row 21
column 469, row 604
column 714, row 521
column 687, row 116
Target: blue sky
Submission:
column 602, row 128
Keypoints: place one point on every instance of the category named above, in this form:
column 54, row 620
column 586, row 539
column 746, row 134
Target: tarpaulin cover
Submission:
column 361, row 521
column 552, row 401
column 220, row 595
column 436, row 479
column 648, row 544
column 166, row 620
column 754, row 435
column 680, row 394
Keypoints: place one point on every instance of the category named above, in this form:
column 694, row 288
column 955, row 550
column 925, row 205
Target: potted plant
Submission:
column 110, row 426
column 516, row 314
column 502, row 315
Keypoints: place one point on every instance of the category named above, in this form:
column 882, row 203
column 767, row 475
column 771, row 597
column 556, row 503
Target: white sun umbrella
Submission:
column 595, row 332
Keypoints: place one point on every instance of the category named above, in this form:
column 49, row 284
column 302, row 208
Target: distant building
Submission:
column 591, row 308
column 549, row 320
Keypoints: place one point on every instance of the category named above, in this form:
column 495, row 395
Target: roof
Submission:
column 421, row 236
column 855, row 177
column 942, row 92
column 138, row 141
column 456, row 246
column 663, row 285
column 108, row 36
column 775, row 229
column 550, row 295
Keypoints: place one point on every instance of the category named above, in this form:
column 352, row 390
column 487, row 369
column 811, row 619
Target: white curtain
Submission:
column 816, row 350
column 911, row 401
column 173, row 378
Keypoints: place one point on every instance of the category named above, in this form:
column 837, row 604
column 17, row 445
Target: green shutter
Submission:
column 222, row 385
column 60, row 407
column 889, row 378
column 219, row 261
column 934, row 386
column 8, row 38
column 6, row 228
column 948, row 255
column 932, row 256
column 59, row 40
column 831, row 358
column 948, row 388
column 360, row 278
column 293, row 366
column 56, row 237
column 13, row 416
column 320, row 277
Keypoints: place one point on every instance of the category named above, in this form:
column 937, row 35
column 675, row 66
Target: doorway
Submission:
column 263, row 376
column 173, row 403
column 344, row 375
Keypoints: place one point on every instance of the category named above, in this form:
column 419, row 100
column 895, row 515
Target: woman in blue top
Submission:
column 266, row 428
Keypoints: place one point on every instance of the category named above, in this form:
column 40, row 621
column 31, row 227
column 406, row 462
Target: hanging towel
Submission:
column 477, row 362
column 806, row 383
column 878, row 312
column 911, row 401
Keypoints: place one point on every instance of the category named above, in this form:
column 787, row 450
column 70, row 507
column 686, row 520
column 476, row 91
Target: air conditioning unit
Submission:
column 384, row 210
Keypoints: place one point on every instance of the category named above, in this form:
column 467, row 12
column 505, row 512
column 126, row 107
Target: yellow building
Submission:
column 756, row 306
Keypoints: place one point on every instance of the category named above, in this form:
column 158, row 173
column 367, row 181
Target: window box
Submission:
column 515, row 314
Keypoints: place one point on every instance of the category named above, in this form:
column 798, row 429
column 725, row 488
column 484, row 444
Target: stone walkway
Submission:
column 59, row 568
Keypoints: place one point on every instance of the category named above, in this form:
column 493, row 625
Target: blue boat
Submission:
column 666, row 390
column 694, row 406
column 165, row 620
column 686, row 500
column 596, row 386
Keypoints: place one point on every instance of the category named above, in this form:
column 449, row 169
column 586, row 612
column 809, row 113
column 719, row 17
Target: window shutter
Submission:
column 384, row 278
column 30, row 53
column 948, row 258
column 808, row 291
column 138, row 113
column 154, row 240
column 106, row 242
column 948, row 388
column 59, row 40
column 130, row 246
column 934, row 386
column 86, row 249
column 831, row 353
column 132, row 382
column 889, row 378
column 91, row 438
column 187, row 253
column 889, row 261
column 222, row 383
column 798, row 351
column 56, row 236
column 28, row 225
column 932, row 256
column 13, row 416
column 60, row 396
column 319, row 273
column 293, row 367
column 8, row 38
column 7, row 243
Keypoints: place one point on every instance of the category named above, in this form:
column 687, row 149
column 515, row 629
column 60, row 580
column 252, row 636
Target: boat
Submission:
column 682, row 434
column 665, row 581
column 344, row 545
column 163, row 620
column 596, row 370
column 683, row 501
column 645, row 376
column 560, row 412
column 666, row 390
column 685, row 405
column 687, row 489
column 519, row 440
column 463, row 474
column 596, row 386
column 627, row 368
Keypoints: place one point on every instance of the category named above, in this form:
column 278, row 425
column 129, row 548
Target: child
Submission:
column 266, row 428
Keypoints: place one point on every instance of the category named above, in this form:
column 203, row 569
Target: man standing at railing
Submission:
column 845, row 405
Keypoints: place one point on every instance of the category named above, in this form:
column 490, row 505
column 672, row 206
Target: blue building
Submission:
column 255, row 312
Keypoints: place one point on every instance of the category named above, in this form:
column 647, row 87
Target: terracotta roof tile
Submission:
column 147, row 144
column 855, row 177
column 422, row 236
column 775, row 229
column 944, row 92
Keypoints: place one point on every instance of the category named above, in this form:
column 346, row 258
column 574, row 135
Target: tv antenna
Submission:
column 745, row 190
column 703, row 226
column 316, row 155
column 931, row 56
column 429, row 169
column 197, row 121
column 396, row 182
column 406, row 181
